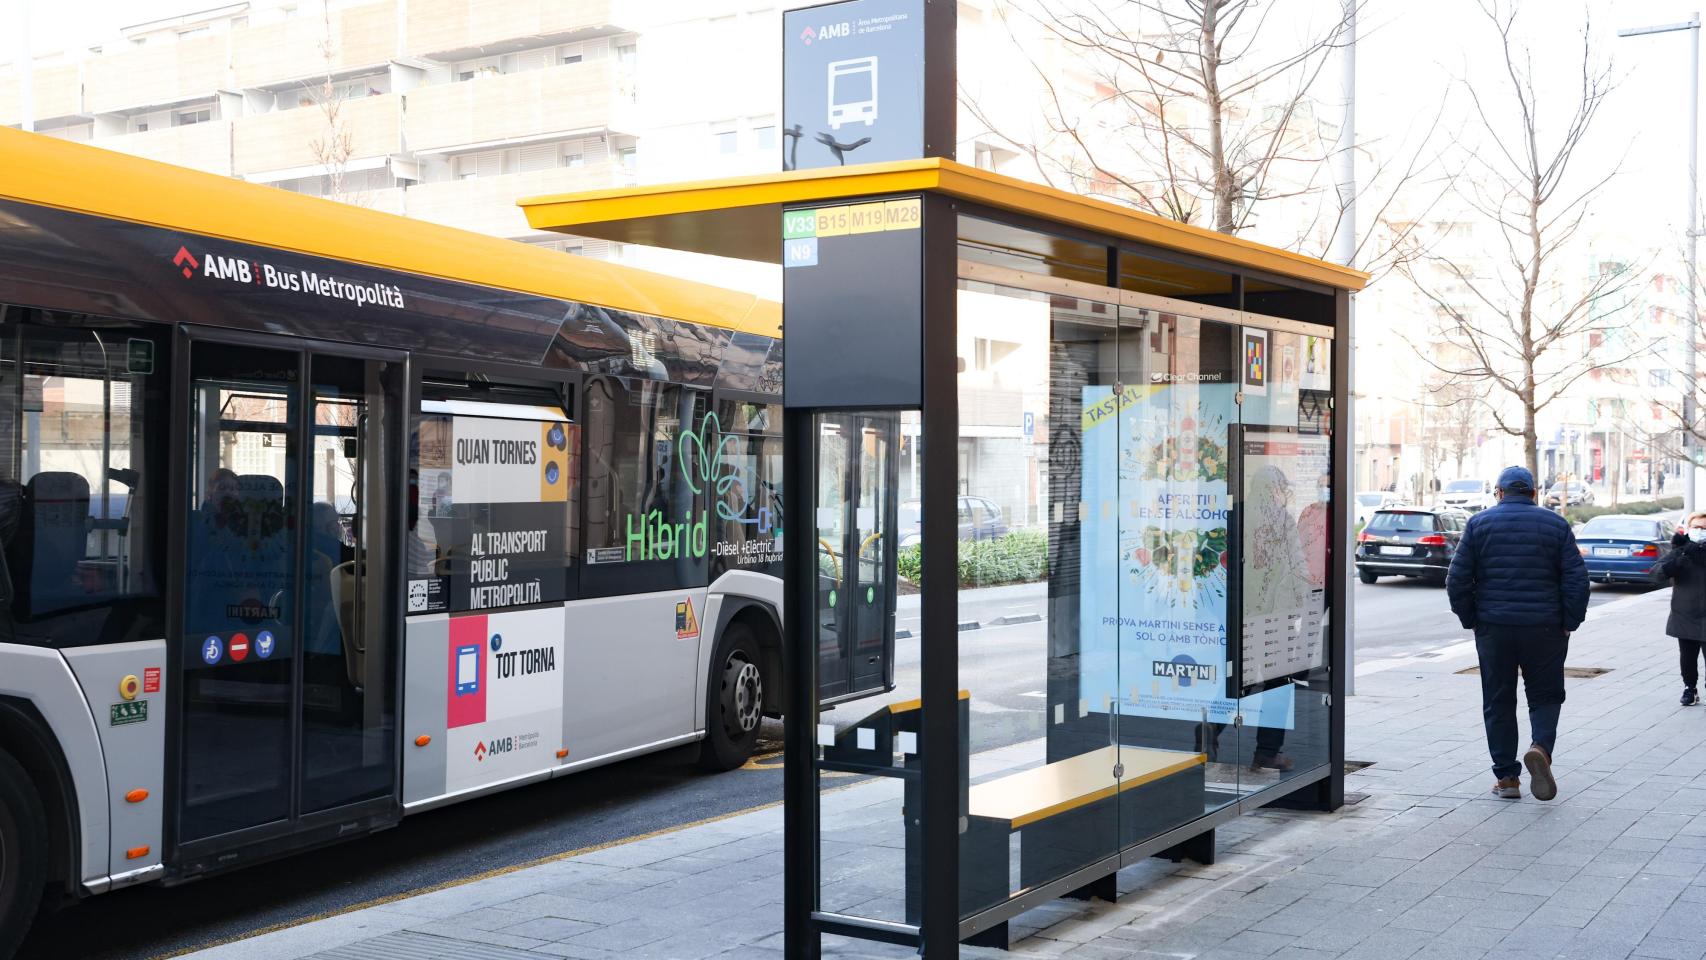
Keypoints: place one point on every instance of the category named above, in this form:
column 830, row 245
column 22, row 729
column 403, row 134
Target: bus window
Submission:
column 493, row 493
column 647, row 526
column 748, row 490
column 81, row 440
column 242, row 628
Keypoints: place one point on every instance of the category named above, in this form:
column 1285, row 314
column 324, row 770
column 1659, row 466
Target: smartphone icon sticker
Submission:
column 467, row 670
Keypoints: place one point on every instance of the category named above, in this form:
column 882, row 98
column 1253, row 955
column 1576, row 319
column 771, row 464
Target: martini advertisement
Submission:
column 1156, row 497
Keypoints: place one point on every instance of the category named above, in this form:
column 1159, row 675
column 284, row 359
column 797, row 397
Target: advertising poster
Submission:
column 1317, row 364
column 504, row 695
column 1257, row 369
column 1155, row 488
column 1287, row 508
column 495, row 497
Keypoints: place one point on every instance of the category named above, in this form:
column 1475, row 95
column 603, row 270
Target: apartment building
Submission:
column 446, row 110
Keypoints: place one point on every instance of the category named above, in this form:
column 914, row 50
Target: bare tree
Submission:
column 1461, row 412
column 335, row 144
column 1522, row 322
column 1195, row 112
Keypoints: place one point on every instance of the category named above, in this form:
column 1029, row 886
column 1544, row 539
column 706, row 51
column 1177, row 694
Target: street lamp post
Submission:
column 1691, row 233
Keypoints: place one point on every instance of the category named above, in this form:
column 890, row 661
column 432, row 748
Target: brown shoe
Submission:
column 1510, row 788
column 1539, row 767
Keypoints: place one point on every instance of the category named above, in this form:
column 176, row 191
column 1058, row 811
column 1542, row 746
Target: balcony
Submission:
column 58, row 94
column 487, row 204
column 363, row 37
column 444, row 28
column 491, row 110
column 194, row 68
column 285, row 140
column 199, row 146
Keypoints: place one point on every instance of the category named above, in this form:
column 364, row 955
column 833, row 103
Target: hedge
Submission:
column 1633, row 508
column 1020, row 556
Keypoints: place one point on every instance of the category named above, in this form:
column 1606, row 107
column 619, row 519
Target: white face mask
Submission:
column 1697, row 534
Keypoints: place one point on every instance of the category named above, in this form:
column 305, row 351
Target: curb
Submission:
column 1006, row 620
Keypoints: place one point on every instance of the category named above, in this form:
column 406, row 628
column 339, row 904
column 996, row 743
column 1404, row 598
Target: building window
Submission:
column 574, row 160
column 987, row 354
column 627, row 53
column 726, row 141
column 141, row 126
column 184, row 118
column 764, row 138
column 573, row 58
column 479, row 165
column 628, row 157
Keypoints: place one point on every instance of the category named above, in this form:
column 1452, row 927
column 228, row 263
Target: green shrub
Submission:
column 1020, row 556
column 910, row 563
column 1632, row 508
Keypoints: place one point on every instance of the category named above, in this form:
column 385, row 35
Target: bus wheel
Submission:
column 23, row 853
column 735, row 706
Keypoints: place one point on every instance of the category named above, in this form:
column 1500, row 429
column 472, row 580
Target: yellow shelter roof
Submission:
column 742, row 216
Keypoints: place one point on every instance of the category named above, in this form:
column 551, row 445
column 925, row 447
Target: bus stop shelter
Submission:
column 1067, row 489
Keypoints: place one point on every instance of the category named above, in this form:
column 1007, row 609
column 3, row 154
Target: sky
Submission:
column 1415, row 54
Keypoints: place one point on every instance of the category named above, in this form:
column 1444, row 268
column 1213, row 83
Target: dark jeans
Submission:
column 1690, row 650
column 1538, row 652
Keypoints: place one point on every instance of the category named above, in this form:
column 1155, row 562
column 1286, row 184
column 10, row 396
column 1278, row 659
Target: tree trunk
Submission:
column 1209, row 51
column 1531, row 444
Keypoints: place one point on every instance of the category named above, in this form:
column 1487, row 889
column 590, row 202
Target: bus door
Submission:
column 288, row 525
column 856, row 516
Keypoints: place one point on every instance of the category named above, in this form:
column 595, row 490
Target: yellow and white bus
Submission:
column 313, row 517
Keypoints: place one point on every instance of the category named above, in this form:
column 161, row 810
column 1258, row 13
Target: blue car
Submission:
column 1621, row 549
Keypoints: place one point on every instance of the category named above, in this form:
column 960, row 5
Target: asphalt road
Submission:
column 1004, row 663
column 1400, row 617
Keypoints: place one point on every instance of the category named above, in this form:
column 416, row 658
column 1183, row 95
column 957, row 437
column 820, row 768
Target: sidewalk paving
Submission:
column 1427, row 865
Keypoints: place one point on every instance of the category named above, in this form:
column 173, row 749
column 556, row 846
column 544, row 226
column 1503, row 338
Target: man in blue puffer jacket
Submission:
column 1518, row 581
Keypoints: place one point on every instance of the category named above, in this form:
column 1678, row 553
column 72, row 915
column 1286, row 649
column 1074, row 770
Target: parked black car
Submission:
column 1411, row 542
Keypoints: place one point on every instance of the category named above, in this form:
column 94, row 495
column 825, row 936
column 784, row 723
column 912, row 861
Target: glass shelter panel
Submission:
column 868, row 865
column 1285, row 467
column 1100, row 689
column 1040, row 668
column 1172, row 416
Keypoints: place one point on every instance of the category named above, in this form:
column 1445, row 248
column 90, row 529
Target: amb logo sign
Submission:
column 257, row 273
column 498, row 746
column 828, row 31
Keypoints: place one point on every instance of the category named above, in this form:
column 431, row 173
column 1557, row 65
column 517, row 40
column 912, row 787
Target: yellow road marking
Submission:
column 474, row 878
column 460, row 881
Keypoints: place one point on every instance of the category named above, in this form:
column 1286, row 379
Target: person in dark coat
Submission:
column 1685, row 568
column 1518, row 581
